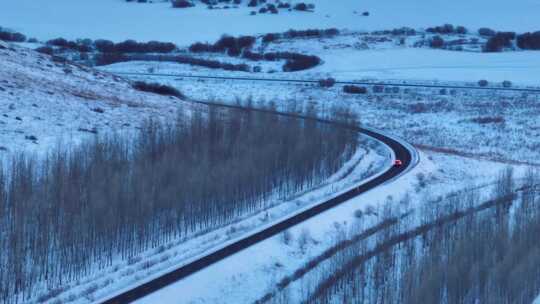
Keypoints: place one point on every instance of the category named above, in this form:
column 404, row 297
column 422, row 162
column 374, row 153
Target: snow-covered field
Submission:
column 422, row 64
column 486, row 124
column 119, row 20
column 465, row 136
column 359, row 55
column 246, row 276
column 347, row 56
column 459, row 151
column 48, row 104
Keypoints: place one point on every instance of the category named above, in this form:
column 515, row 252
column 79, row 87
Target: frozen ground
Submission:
column 119, row 20
column 492, row 125
column 46, row 104
column 422, row 64
column 370, row 159
column 466, row 137
column 246, row 276
column 360, row 55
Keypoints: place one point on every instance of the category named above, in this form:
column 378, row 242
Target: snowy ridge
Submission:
column 45, row 102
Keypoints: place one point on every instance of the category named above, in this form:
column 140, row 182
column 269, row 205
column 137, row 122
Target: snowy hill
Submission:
column 120, row 20
column 45, row 102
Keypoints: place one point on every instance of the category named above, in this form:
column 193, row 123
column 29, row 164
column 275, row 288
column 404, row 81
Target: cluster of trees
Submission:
column 464, row 251
column 447, row 29
column 499, row 41
column 436, row 42
column 529, row 41
column 299, row 62
column 113, row 198
column 235, row 46
column 132, row 46
column 158, row 88
column 266, row 7
column 8, row 35
column 294, row 61
column 486, row 32
column 274, row 8
column 107, row 46
column 231, row 45
column 182, row 3
column 110, row 58
column 292, row 34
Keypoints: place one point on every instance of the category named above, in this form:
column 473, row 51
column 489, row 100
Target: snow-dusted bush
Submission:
column 157, row 89
column 45, row 50
column 299, row 62
column 303, row 7
column 488, row 120
column 499, row 41
column 484, row 31
column 270, row 37
column 232, row 45
column 327, row 83
column 7, row 35
column 436, row 42
column 104, row 46
column 286, row 237
column 352, row 89
column 182, row 3
column 304, row 239
column 483, row 83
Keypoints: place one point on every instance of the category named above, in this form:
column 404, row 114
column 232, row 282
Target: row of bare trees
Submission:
column 113, row 198
column 464, row 251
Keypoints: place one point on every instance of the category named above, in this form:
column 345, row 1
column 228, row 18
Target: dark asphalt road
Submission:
column 400, row 151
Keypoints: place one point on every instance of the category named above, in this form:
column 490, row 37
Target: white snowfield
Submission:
column 44, row 104
column 422, row 64
column 119, row 20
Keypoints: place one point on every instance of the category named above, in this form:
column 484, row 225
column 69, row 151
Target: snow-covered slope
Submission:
column 44, row 103
column 118, row 20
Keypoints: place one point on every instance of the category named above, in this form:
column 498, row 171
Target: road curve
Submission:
column 401, row 151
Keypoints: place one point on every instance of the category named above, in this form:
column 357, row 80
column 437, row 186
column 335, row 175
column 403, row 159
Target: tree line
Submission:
column 113, row 198
column 464, row 251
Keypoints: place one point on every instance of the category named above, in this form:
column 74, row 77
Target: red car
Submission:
column 398, row 163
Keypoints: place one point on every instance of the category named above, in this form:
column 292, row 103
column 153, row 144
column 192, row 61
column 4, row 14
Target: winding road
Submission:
column 401, row 150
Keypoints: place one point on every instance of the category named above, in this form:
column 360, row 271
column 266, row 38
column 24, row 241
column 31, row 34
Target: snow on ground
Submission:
column 411, row 64
column 45, row 104
column 370, row 159
column 422, row 64
column 120, row 20
column 458, row 152
column 359, row 55
column 486, row 124
column 246, row 276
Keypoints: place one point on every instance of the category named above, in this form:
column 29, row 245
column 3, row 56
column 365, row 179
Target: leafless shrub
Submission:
column 286, row 237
